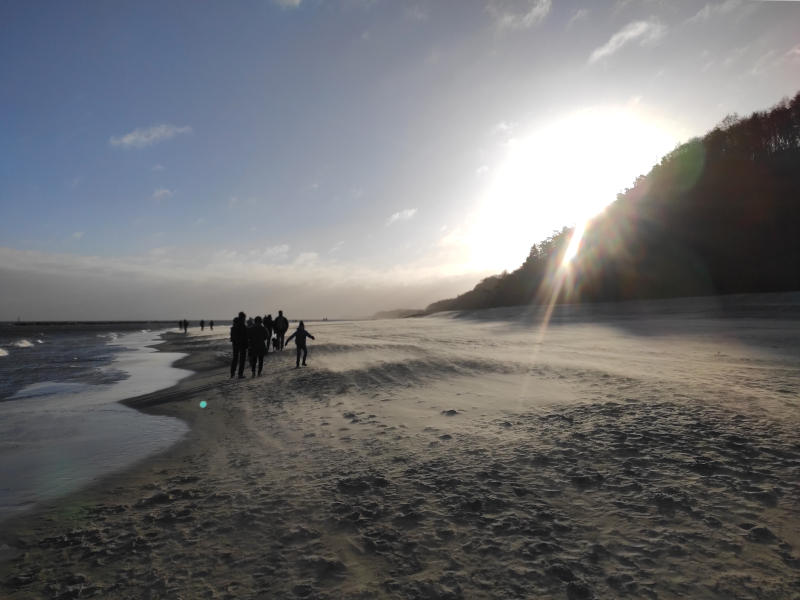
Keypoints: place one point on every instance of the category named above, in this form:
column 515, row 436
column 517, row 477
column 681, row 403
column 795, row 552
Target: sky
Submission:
column 334, row 158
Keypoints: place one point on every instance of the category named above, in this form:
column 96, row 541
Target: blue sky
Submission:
column 337, row 158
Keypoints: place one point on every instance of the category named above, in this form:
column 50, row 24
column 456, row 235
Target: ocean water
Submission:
column 61, row 424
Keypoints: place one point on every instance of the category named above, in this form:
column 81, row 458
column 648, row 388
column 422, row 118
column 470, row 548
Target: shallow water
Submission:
column 67, row 429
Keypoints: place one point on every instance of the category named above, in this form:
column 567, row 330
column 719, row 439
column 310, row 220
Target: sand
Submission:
column 643, row 451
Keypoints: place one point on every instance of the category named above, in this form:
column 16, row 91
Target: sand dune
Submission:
column 461, row 456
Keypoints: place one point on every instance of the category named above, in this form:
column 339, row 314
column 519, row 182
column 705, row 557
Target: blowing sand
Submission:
column 643, row 451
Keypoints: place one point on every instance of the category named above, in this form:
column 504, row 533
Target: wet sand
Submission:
column 461, row 456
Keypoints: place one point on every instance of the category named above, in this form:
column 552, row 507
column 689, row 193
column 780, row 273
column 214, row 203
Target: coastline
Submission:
column 394, row 469
column 97, row 489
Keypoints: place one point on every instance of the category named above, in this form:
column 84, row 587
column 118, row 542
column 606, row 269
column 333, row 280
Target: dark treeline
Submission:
column 718, row 215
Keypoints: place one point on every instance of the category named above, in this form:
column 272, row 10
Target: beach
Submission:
column 641, row 450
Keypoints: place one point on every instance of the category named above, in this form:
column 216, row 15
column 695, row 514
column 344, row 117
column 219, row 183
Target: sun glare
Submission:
column 562, row 175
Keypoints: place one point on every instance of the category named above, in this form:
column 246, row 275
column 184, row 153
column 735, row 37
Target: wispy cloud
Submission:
column 403, row 215
column 288, row 3
column 147, row 136
column 162, row 194
column 793, row 53
column 710, row 11
column 77, row 235
column 518, row 14
column 336, row 247
column 765, row 62
column 158, row 168
column 579, row 15
column 417, row 13
column 306, row 259
column 643, row 32
column 273, row 252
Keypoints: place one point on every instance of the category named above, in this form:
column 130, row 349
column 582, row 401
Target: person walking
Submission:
column 239, row 341
column 300, row 336
column 268, row 325
column 256, row 346
column 281, row 325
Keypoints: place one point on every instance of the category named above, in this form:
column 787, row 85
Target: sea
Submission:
column 61, row 424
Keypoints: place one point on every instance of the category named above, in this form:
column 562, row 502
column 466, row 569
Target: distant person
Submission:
column 202, row 324
column 268, row 325
column 180, row 324
column 300, row 336
column 239, row 341
column 256, row 346
column 281, row 326
column 211, row 324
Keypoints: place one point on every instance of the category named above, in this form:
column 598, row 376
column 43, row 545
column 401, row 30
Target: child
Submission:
column 300, row 339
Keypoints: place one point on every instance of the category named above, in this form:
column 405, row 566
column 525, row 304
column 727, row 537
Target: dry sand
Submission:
column 643, row 451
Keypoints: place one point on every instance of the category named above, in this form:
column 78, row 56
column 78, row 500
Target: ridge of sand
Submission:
column 437, row 459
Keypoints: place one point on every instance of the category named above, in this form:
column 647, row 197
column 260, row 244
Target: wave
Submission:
column 23, row 344
column 112, row 337
column 3, row 352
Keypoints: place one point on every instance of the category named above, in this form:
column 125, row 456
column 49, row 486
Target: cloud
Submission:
column 417, row 13
column 580, row 14
column 198, row 283
column 518, row 14
column 794, row 53
column 645, row 32
column 158, row 167
column 482, row 170
column 273, row 252
column 288, row 3
column 306, row 259
column 710, row 11
column 147, row 136
column 162, row 194
column 77, row 235
column 403, row 215
column 336, row 247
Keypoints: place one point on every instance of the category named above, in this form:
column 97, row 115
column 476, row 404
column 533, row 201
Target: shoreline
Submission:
column 146, row 404
column 394, row 469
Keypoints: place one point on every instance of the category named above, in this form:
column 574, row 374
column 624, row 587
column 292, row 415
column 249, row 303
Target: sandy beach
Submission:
column 648, row 450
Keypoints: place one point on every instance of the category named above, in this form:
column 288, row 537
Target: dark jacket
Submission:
column 300, row 337
column 281, row 324
column 239, row 335
column 256, row 340
column 269, row 325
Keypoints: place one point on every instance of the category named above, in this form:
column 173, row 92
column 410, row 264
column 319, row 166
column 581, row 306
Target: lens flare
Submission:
column 203, row 404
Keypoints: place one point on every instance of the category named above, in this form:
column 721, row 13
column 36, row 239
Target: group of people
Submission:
column 184, row 324
column 252, row 338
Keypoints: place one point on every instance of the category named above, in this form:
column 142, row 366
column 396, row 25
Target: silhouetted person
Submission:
column 281, row 326
column 239, row 341
column 256, row 345
column 268, row 325
column 300, row 336
column 202, row 324
column 211, row 324
column 185, row 326
column 180, row 324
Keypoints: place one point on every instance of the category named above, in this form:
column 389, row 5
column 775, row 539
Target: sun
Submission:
column 562, row 174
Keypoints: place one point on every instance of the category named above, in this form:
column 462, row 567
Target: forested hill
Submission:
column 718, row 215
